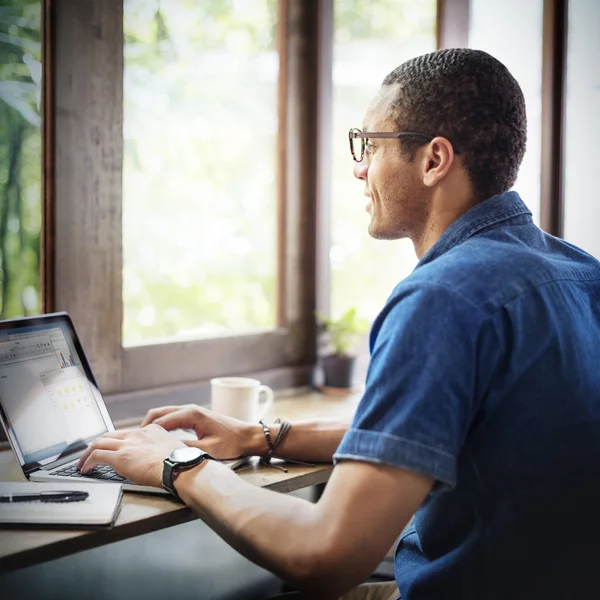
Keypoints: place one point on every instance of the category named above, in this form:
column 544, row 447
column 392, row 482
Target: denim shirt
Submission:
column 485, row 375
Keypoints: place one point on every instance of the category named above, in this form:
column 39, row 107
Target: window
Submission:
column 199, row 175
column 186, row 233
column 370, row 40
column 20, row 158
column 517, row 43
column 185, row 193
column 582, row 125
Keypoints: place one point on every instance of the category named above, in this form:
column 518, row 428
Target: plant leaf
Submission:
column 18, row 94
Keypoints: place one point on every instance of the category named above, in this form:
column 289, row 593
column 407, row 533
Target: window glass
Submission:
column 20, row 157
column 371, row 39
column 199, row 192
column 517, row 43
column 582, row 126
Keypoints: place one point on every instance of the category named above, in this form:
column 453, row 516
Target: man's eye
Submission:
column 369, row 147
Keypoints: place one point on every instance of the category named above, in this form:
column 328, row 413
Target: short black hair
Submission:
column 470, row 98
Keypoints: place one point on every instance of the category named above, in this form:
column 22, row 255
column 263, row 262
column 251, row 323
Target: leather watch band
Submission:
column 172, row 466
column 167, row 478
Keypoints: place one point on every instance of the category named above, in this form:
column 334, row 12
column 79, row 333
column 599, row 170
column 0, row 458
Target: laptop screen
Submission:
column 51, row 406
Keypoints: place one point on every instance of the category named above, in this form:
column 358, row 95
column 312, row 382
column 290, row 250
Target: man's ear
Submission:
column 437, row 160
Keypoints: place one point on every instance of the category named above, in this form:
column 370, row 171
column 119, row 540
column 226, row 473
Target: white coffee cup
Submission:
column 240, row 398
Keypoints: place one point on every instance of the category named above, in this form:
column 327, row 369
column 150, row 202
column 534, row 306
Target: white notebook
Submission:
column 99, row 509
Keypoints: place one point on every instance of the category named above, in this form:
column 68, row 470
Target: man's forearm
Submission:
column 281, row 533
column 325, row 548
column 312, row 441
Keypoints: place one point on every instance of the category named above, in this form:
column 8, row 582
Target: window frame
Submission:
column 48, row 182
column 452, row 23
column 84, row 224
column 554, row 83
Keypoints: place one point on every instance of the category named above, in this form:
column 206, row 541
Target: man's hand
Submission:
column 136, row 454
column 220, row 436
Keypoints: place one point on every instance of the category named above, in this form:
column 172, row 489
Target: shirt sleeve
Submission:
column 432, row 354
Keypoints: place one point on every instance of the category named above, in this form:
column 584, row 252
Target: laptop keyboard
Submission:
column 98, row 472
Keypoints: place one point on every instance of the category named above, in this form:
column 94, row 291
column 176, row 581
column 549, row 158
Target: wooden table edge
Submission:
column 309, row 405
column 89, row 539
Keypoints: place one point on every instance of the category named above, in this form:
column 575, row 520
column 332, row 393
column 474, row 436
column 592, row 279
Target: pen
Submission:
column 48, row 496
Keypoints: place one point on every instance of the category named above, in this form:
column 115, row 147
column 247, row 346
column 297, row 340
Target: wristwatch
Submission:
column 181, row 460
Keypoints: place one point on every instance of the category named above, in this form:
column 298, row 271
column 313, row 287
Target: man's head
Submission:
column 474, row 110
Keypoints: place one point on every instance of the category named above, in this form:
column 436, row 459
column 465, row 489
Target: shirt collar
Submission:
column 490, row 213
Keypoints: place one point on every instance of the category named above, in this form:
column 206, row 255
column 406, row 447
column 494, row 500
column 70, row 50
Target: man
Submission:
column 482, row 404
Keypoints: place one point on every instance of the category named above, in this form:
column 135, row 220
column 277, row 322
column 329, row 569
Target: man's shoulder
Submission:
column 490, row 271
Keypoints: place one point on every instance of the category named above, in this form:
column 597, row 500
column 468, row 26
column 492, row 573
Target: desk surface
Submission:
column 142, row 513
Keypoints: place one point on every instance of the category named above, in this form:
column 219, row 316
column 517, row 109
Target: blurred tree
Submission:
column 20, row 157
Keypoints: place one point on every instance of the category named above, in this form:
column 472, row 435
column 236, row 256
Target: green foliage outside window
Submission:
column 20, row 157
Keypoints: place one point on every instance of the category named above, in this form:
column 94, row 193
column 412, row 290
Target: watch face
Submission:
column 185, row 455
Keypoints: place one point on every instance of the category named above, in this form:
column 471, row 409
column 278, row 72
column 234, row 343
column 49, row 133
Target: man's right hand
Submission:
column 220, row 436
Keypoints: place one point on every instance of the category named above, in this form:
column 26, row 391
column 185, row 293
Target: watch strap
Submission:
column 170, row 470
column 167, row 478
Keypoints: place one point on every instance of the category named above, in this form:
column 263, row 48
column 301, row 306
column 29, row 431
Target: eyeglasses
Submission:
column 358, row 139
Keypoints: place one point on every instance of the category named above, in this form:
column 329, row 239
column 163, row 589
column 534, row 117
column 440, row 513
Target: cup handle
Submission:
column 265, row 404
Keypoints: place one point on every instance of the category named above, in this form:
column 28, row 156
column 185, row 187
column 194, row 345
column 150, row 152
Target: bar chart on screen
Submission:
column 61, row 350
column 66, row 363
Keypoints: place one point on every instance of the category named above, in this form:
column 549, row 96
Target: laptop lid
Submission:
column 50, row 405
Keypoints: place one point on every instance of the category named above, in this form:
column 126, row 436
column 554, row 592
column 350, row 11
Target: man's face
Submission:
column 397, row 198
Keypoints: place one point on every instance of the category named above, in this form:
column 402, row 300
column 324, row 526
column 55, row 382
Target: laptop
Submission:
column 50, row 404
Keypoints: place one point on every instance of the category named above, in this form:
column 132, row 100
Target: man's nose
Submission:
column 360, row 169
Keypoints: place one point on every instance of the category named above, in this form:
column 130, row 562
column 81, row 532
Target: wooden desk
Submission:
column 145, row 513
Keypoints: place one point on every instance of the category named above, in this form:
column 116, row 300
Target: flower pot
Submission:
column 338, row 370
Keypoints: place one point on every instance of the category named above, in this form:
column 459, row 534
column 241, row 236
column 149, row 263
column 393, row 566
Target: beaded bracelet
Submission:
column 272, row 446
column 268, row 438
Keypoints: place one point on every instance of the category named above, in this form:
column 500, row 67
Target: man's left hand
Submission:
column 136, row 454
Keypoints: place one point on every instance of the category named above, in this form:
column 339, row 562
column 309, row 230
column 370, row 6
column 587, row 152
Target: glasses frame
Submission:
column 355, row 133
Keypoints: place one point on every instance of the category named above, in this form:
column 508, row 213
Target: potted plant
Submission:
column 342, row 336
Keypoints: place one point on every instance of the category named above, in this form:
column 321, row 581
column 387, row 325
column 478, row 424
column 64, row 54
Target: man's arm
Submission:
column 325, row 548
column 224, row 437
